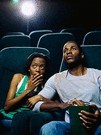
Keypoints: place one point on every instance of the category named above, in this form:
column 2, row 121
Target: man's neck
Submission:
column 78, row 70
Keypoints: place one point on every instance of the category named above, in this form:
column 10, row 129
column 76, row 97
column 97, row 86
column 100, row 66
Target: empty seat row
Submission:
column 20, row 39
column 25, row 40
column 14, row 40
column 77, row 32
column 33, row 39
column 92, row 38
column 35, row 35
column 83, row 37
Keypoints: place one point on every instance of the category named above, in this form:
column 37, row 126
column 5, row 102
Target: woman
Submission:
column 24, row 87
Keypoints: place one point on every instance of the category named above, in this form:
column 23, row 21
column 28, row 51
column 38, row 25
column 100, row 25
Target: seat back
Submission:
column 92, row 38
column 15, row 40
column 35, row 35
column 77, row 32
column 13, row 60
column 14, row 33
column 92, row 57
column 54, row 42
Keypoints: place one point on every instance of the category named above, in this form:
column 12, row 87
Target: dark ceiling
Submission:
column 51, row 14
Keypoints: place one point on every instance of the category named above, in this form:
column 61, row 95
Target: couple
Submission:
column 75, row 86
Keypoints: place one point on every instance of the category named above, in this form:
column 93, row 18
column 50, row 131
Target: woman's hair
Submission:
column 47, row 66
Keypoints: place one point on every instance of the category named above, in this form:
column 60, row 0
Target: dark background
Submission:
column 51, row 14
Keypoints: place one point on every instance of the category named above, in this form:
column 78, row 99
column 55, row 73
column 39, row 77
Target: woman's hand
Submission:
column 33, row 100
column 34, row 81
column 91, row 119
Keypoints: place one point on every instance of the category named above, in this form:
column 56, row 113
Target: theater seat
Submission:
column 35, row 35
column 15, row 40
column 92, row 38
column 78, row 33
column 14, row 33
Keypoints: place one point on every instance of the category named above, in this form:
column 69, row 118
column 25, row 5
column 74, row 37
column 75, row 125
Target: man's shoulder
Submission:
column 93, row 70
column 61, row 74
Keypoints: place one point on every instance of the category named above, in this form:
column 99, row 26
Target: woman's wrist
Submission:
column 27, row 91
column 39, row 97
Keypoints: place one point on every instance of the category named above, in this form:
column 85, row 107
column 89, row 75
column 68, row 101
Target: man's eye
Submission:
column 64, row 50
column 74, row 48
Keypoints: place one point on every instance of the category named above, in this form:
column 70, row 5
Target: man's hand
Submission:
column 91, row 119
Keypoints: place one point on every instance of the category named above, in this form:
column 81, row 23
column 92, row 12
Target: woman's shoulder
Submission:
column 18, row 76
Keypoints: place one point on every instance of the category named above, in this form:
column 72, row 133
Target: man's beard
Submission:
column 74, row 64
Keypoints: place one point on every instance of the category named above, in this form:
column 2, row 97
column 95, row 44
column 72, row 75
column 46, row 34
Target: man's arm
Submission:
column 54, row 106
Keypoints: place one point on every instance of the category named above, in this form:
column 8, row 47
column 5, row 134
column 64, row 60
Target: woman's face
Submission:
column 38, row 66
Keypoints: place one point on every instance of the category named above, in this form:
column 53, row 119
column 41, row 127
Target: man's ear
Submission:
column 82, row 55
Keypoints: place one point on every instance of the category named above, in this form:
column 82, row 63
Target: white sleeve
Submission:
column 97, row 76
column 37, row 106
column 48, row 92
column 49, row 89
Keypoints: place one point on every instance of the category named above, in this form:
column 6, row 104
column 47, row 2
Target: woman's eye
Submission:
column 42, row 67
column 34, row 66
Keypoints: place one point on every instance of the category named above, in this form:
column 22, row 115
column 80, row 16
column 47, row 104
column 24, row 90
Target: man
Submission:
column 75, row 86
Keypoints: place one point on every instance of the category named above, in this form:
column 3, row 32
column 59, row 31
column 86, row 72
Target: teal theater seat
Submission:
column 15, row 40
column 92, row 38
column 35, row 35
column 14, row 33
column 78, row 33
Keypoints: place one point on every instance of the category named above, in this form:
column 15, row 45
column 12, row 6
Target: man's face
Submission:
column 71, row 53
